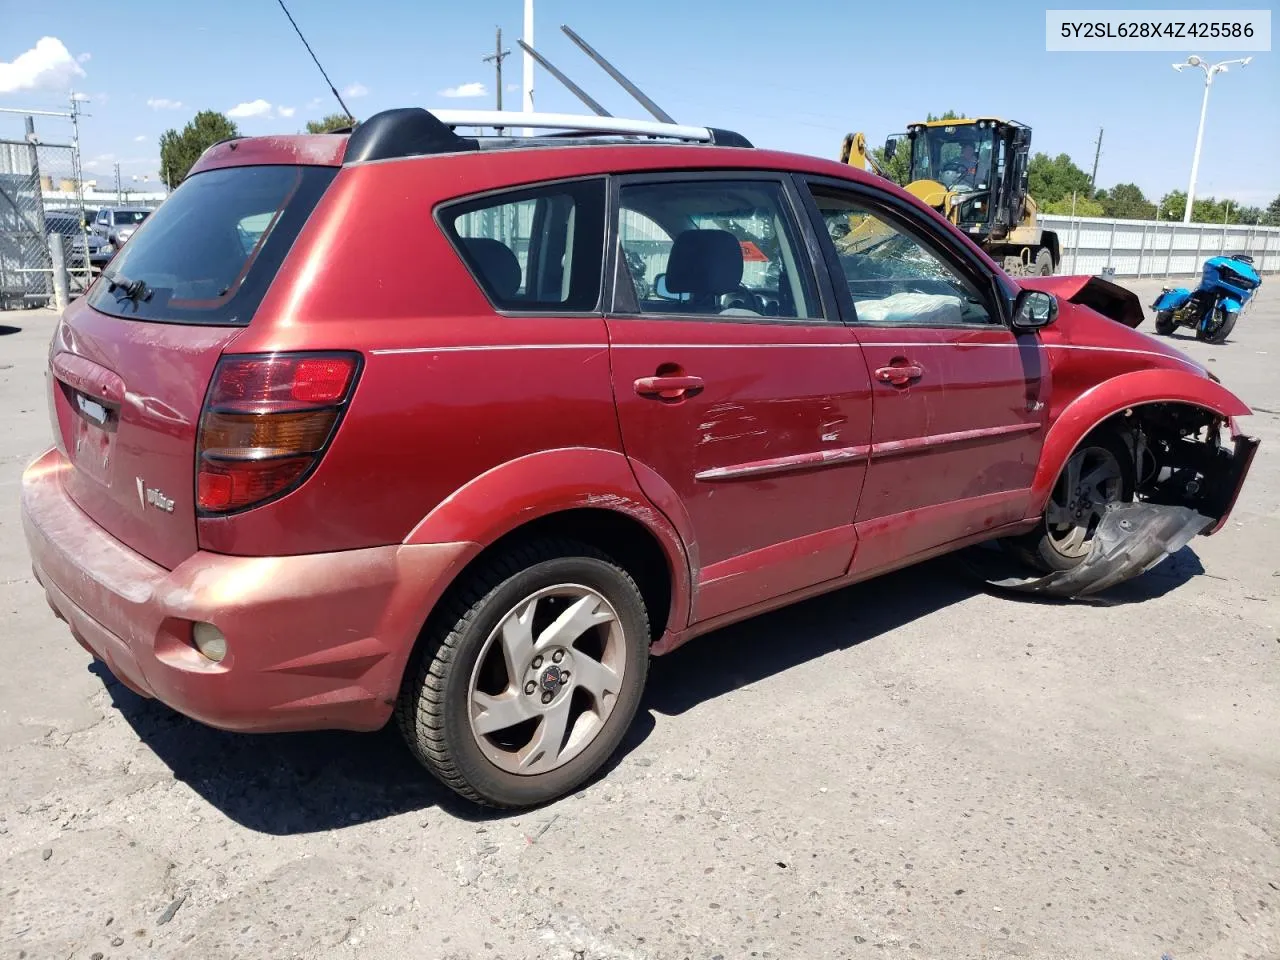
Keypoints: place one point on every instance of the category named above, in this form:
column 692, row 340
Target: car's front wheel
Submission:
column 529, row 676
column 1098, row 474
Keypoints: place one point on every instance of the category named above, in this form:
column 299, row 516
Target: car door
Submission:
column 959, row 398
column 740, row 394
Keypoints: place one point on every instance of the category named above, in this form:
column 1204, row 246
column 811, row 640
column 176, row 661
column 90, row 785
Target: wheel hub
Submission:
column 552, row 679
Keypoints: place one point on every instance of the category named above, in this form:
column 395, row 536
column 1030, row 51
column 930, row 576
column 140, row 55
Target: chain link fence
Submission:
column 40, row 198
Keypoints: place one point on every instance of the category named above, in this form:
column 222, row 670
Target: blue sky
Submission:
column 796, row 75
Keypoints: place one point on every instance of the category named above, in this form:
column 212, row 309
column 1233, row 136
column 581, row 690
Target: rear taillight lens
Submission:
column 267, row 421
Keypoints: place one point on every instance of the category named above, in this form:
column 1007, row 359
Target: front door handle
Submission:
column 669, row 388
column 900, row 375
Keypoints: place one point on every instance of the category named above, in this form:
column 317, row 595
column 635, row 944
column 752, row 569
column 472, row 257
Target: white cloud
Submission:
column 464, row 90
column 82, row 97
column 140, row 138
column 356, row 90
column 46, row 66
column 314, row 102
column 286, row 111
column 512, row 87
column 164, row 103
column 254, row 108
column 84, row 58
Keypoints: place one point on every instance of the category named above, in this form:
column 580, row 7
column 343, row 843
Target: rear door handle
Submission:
column 669, row 388
column 900, row 376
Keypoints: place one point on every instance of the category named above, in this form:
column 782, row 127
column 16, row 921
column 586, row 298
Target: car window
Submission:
column 894, row 278
column 193, row 258
column 714, row 248
column 126, row 218
column 537, row 249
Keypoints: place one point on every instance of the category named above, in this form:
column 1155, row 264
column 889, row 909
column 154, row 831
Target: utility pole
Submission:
column 496, row 59
column 1093, row 177
column 526, row 101
column 118, row 200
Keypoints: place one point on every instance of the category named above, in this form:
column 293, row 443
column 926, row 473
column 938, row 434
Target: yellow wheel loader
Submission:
column 974, row 172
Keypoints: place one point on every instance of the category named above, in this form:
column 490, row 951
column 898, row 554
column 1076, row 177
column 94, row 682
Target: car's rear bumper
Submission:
column 314, row 641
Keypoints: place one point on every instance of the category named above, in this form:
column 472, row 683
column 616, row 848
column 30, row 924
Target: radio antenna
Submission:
column 332, row 88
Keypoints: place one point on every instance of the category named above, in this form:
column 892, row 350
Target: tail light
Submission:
column 266, row 423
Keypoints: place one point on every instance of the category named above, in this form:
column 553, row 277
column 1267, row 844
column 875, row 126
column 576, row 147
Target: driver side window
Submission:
column 895, row 279
column 714, row 248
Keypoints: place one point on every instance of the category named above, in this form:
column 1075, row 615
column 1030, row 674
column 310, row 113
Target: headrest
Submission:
column 704, row 262
column 498, row 265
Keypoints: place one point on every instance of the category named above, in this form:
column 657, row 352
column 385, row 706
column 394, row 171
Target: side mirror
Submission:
column 890, row 148
column 1034, row 309
column 660, row 288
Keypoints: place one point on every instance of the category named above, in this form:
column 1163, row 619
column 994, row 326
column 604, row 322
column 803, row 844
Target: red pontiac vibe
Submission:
column 464, row 430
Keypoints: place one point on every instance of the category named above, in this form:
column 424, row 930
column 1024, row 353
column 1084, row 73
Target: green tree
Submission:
column 1084, row 207
column 1272, row 217
column 334, row 121
column 949, row 115
column 180, row 151
column 1250, row 215
column 1057, row 178
column 1125, row 201
column 1172, row 204
column 899, row 168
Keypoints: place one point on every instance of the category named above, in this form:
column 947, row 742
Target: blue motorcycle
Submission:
column 1226, row 285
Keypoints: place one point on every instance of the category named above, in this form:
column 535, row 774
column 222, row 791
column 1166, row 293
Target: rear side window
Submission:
column 534, row 250
column 209, row 253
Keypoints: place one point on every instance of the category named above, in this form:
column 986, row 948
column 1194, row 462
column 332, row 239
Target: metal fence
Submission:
column 1157, row 248
column 29, row 172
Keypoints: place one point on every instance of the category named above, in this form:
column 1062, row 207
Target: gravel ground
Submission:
column 908, row 768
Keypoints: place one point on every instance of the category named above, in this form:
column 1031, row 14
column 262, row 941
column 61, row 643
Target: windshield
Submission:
column 958, row 155
column 126, row 218
column 210, row 252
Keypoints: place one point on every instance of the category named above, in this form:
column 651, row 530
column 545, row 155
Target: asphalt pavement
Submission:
column 909, row 768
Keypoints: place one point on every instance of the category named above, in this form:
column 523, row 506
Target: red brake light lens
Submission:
column 266, row 424
column 281, row 381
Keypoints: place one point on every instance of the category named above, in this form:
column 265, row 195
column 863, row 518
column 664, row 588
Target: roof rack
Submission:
column 415, row 132
column 508, row 119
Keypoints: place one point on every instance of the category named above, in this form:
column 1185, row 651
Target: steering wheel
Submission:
column 742, row 299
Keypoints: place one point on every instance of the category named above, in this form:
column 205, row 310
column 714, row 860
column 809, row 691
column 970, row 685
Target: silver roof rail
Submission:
column 507, row 119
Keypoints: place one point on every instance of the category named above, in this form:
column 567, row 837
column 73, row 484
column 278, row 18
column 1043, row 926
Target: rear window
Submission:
column 209, row 253
column 126, row 218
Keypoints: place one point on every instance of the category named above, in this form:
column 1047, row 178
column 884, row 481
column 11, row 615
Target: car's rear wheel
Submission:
column 530, row 675
column 1098, row 474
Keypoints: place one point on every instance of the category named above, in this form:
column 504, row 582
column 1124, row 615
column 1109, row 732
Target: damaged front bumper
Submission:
column 1131, row 538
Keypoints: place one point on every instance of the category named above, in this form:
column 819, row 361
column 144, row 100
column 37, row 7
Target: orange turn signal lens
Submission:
column 248, row 435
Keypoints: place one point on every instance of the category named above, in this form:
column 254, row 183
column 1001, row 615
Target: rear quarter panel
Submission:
column 449, row 390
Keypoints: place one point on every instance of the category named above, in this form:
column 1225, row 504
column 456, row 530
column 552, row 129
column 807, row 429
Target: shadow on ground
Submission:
column 6, row 330
column 283, row 784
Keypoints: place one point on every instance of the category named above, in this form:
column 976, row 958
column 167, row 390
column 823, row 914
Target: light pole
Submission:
column 1210, row 70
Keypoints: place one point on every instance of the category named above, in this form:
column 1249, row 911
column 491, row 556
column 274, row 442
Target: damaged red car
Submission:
column 460, row 430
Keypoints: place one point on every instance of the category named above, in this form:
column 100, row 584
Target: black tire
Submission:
column 1225, row 322
column 434, row 706
column 1039, row 549
column 1044, row 263
column 1164, row 322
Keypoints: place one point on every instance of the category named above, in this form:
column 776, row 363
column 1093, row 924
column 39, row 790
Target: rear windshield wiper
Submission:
column 135, row 290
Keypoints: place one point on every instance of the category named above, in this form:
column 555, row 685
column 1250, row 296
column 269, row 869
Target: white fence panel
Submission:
column 1157, row 248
